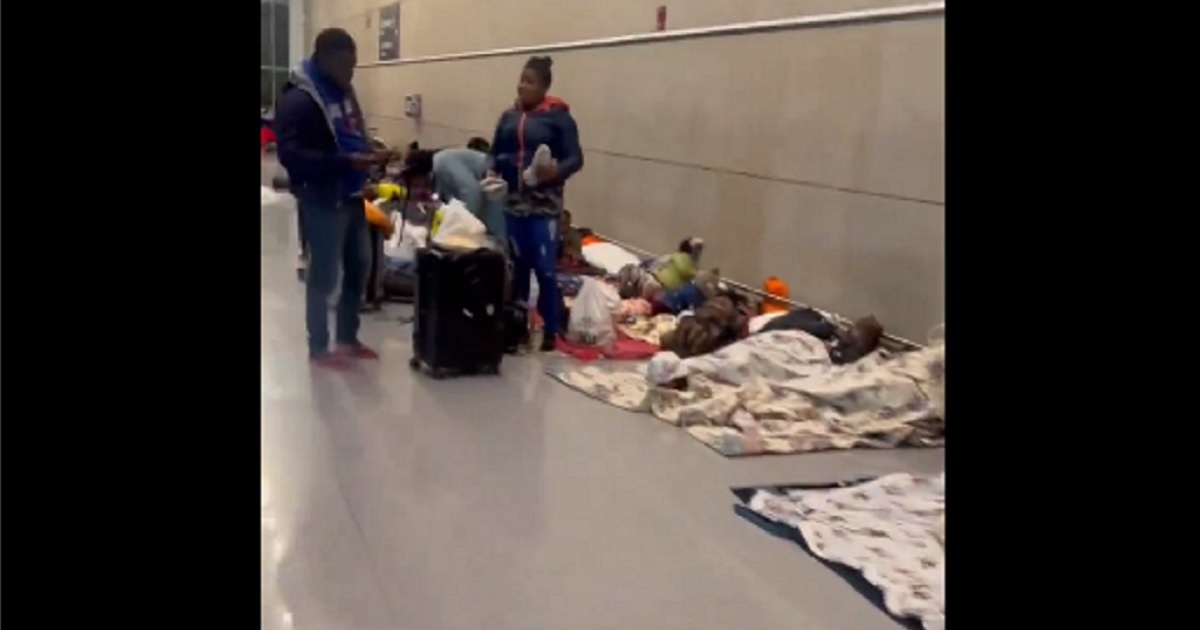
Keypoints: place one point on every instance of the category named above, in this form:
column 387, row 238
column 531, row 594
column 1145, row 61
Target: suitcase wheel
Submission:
column 414, row 363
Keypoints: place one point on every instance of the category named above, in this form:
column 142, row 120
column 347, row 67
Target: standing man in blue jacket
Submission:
column 323, row 145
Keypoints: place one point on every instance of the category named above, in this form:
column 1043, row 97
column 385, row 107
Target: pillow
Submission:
column 611, row 258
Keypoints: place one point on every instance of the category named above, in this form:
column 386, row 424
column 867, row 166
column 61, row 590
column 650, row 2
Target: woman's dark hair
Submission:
column 541, row 67
column 685, row 246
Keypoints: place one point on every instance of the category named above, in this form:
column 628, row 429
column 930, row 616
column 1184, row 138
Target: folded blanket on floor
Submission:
column 886, row 529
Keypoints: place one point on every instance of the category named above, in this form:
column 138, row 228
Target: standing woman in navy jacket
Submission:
column 535, row 202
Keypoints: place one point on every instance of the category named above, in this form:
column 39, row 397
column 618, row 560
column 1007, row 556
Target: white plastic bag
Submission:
column 404, row 243
column 404, row 246
column 459, row 228
column 591, row 321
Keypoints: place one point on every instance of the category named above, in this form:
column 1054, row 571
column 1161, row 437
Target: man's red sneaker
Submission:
column 358, row 351
column 331, row 361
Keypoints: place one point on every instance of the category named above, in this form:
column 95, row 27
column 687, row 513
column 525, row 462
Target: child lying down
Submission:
column 663, row 275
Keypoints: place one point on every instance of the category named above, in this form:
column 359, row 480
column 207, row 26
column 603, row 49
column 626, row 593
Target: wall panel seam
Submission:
column 695, row 166
column 825, row 20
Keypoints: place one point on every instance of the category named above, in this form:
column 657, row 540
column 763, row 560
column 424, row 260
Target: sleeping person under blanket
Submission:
column 857, row 341
column 846, row 344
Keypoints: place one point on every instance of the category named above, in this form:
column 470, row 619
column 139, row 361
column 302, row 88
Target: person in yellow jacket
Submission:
column 675, row 270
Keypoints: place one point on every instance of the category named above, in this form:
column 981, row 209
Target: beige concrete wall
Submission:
column 817, row 155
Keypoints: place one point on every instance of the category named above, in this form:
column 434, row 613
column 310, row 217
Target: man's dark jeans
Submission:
column 300, row 232
column 336, row 240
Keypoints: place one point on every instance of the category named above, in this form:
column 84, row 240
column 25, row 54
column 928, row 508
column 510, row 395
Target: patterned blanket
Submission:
column 778, row 392
column 889, row 530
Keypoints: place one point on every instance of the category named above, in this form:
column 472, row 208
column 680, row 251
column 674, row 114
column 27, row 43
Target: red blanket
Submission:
column 625, row 349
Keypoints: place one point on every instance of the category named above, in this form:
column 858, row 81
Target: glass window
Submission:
column 281, row 77
column 271, row 82
column 281, row 36
column 273, row 50
column 265, row 48
column 266, row 88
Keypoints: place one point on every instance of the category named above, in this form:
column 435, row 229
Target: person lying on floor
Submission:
column 846, row 344
column 665, row 274
column 691, row 296
column 857, row 341
column 675, row 270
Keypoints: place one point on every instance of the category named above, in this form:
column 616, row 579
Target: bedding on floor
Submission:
column 622, row 349
column 609, row 257
column 779, row 392
column 889, row 530
column 649, row 329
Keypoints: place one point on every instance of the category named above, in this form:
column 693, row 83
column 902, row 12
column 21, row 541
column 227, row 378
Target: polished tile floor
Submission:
column 394, row 502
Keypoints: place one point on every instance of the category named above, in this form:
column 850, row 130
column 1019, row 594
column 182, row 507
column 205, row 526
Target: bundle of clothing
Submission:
column 721, row 319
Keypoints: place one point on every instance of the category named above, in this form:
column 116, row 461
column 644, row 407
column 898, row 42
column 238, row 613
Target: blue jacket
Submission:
column 518, row 135
column 307, row 125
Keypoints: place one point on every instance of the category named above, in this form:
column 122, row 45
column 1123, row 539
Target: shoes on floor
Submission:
column 357, row 351
column 548, row 344
column 331, row 361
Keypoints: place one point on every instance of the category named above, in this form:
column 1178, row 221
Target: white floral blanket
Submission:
column 889, row 529
column 778, row 392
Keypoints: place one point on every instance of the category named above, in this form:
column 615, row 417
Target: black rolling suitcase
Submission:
column 459, row 305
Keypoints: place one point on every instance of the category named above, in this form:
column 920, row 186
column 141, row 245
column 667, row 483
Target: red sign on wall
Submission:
column 661, row 20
